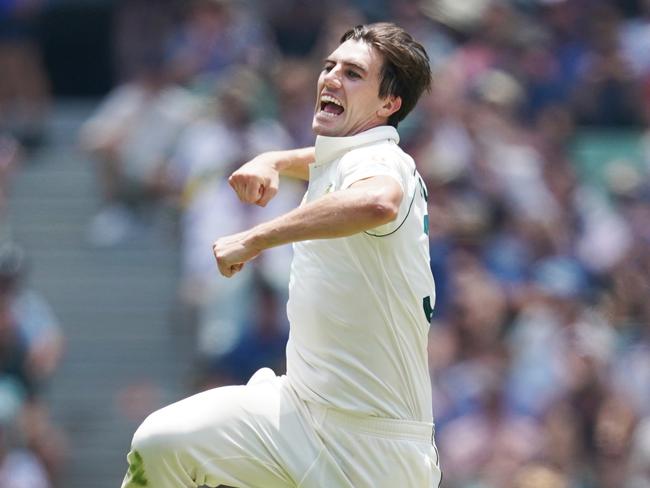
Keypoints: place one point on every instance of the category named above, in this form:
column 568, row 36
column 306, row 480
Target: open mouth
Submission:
column 330, row 106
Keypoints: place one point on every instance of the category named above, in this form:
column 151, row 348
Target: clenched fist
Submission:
column 232, row 252
column 256, row 181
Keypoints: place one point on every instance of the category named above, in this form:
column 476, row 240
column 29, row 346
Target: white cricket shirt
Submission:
column 359, row 306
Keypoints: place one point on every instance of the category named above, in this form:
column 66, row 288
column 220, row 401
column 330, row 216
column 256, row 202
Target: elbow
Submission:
column 384, row 205
column 383, row 211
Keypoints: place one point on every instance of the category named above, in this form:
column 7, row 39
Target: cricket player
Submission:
column 354, row 408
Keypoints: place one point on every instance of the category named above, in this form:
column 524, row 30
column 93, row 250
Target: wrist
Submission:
column 279, row 160
column 256, row 239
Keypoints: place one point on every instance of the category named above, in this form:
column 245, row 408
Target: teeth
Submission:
column 328, row 98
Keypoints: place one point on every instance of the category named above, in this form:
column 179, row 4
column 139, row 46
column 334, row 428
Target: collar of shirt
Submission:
column 330, row 148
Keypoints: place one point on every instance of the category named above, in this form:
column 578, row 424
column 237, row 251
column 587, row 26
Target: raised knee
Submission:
column 155, row 435
column 154, row 457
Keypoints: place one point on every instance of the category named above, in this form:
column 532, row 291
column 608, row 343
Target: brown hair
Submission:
column 405, row 73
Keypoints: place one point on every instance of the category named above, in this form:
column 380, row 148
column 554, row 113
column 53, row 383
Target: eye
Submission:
column 353, row 74
column 327, row 68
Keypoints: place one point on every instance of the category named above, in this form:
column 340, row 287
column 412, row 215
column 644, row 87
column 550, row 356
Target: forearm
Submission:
column 337, row 214
column 294, row 163
column 366, row 204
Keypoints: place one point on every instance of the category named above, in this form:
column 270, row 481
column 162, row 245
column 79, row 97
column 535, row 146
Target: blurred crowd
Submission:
column 540, row 343
column 31, row 345
column 32, row 447
column 540, row 347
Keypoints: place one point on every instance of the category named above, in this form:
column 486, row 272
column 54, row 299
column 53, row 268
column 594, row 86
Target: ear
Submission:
column 390, row 105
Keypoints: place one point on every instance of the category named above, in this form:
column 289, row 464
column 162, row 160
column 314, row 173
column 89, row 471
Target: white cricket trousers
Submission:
column 262, row 435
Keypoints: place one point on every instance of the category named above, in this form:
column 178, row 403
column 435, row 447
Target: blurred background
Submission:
column 120, row 122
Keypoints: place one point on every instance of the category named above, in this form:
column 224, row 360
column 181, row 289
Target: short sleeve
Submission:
column 377, row 161
column 363, row 163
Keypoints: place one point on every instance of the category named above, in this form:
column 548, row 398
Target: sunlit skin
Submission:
column 350, row 76
column 349, row 82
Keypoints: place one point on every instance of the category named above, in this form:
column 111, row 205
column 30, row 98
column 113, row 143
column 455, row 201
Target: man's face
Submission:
column 347, row 100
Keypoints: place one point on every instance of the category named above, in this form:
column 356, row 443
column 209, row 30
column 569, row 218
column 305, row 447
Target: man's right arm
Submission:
column 257, row 181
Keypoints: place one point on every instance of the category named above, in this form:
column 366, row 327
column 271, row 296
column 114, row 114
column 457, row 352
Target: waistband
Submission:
column 364, row 424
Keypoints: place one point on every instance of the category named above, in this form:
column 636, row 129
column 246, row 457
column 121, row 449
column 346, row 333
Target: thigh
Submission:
column 244, row 436
column 376, row 461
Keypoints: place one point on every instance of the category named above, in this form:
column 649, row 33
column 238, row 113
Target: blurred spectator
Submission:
column 297, row 35
column 18, row 382
column 31, row 345
column 19, row 467
column 466, row 345
column 564, row 22
column 487, row 445
column 215, row 35
column 607, row 92
column 24, row 87
column 32, row 449
column 45, row 439
column 131, row 135
column 541, row 73
column 263, row 342
column 295, row 98
column 207, row 152
column 613, row 430
column 635, row 41
column 546, row 332
column 141, row 29
column 563, row 446
column 32, row 338
column 14, row 346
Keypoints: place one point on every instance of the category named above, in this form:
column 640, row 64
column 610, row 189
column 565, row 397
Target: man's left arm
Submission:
column 366, row 204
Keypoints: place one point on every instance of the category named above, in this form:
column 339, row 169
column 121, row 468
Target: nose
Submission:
column 332, row 79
